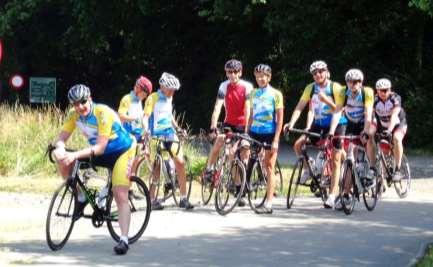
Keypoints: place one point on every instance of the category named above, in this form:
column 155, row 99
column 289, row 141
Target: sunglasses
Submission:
column 82, row 102
column 232, row 71
column 355, row 81
column 382, row 90
column 318, row 71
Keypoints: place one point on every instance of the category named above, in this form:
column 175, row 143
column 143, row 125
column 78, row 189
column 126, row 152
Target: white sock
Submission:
column 182, row 197
column 268, row 204
column 124, row 238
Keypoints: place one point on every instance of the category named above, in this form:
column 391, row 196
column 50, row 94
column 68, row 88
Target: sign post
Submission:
column 42, row 90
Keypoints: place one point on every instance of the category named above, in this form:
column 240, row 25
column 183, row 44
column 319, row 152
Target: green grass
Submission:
column 427, row 260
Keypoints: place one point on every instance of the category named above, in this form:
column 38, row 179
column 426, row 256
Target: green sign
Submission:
column 42, row 90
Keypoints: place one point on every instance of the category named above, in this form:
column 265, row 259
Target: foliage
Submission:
column 427, row 260
column 107, row 46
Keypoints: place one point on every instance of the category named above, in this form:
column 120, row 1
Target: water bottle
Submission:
column 101, row 197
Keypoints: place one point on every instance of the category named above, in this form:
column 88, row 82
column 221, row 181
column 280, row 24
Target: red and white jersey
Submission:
column 235, row 95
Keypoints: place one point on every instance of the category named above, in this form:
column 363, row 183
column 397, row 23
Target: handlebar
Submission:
column 51, row 148
column 299, row 131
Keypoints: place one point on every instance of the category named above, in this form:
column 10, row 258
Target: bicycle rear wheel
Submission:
column 371, row 195
column 294, row 183
column 278, row 179
column 206, row 188
column 227, row 195
column 188, row 183
column 257, row 186
column 402, row 187
column 140, row 206
column 60, row 221
column 144, row 169
column 348, row 184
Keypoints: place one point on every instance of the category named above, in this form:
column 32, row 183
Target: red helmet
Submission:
column 144, row 83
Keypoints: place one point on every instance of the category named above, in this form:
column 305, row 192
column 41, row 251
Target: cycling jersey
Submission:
column 120, row 150
column 322, row 111
column 383, row 110
column 235, row 95
column 101, row 121
column 131, row 105
column 264, row 103
column 354, row 106
column 160, row 109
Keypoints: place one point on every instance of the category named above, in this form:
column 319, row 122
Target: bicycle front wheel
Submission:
column 140, row 207
column 278, row 179
column 206, row 188
column 230, row 187
column 348, row 183
column 402, row 187
column 294, row 183
column 60, row 221
column 257, row 186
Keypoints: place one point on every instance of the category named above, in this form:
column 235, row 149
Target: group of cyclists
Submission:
column 258, row 112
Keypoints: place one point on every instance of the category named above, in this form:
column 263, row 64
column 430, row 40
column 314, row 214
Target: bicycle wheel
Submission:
column 139, row 204
column 294, row 182
column 370, row 196
column 402, row 187
column 59, row 222
column 144, row 169
column 278, row 179
column 348, row 199
column 324, row 166
column 206, row 189
column 188, row 183
column 160, row 183
column 227, row 195
column 257, row 186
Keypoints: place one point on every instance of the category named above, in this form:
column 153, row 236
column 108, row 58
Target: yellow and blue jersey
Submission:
column 264, row 103
column 131, row 105
column 159, row 108
column 355, row 105
column 101, row 121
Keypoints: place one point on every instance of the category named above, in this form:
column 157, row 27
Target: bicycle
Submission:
column 63, row 213
column 319, row 170
column 163, row 175
column 385, row 156
column 354, row 181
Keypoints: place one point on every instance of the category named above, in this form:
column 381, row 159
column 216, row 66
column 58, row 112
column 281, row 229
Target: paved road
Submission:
column 306, row 235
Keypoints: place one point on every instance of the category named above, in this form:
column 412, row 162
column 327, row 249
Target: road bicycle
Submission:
column 385, row 156
column 354, row 181
column 63, row 211
column 163, row 177
column 319, row 170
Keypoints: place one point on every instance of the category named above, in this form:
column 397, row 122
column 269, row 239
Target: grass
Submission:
column 427, row 260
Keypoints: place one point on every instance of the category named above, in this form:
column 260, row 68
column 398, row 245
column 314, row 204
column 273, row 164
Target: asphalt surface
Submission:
column 394, row 234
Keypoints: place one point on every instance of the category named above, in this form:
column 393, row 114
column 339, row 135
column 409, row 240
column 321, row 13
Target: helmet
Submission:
column 266, row 69
column 144, row 83
column 78, row 92
column 383, row 84
column 170, row 81
column 233, row 64
column 317, row 65
column 354, row 75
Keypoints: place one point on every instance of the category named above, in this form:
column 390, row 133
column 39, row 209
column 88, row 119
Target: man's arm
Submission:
column 216, row 113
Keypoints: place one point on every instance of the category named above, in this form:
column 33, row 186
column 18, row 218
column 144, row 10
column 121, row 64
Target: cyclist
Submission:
column 131, row 108
column 390, row 118
column 158, row 118
column 320, row 97
column 233, row 95
column 265, row 125
column 111, row 146
column 356, row 101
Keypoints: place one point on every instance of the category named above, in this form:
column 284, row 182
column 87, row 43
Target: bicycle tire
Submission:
column 227, row 188
column 279, row 190
column 188, row 183
column 294, row 183
column 257, row 187
column 143, row 169
column 207, row 188
column 140, row 205
column 402, row 187
column 325, row 175
column 371, row 196
column 348, row 200
column 66, row 201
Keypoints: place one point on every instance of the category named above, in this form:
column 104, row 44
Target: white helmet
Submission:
column 354, row 75
column 383, row 84
column 170, row 81
column 317, row 65
column 78, row 92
